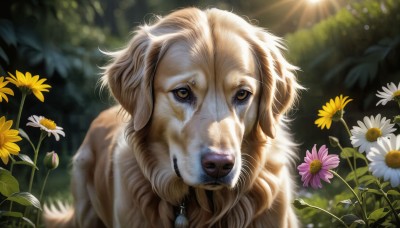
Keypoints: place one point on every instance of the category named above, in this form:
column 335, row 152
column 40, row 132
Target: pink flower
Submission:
column 316, row 166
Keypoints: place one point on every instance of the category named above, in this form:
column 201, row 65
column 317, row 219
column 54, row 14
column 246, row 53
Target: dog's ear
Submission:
column 278, row 82
column 130, row 77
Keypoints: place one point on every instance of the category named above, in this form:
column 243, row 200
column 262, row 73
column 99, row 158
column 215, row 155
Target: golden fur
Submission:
column 194, row 85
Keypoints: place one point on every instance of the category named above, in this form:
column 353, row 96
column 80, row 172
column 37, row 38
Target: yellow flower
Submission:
column 32, row 84
column 332, row 110
column 4, row 90
column 8, row 137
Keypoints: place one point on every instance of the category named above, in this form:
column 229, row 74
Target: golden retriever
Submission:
column 201, row 134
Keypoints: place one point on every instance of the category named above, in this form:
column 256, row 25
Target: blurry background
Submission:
column 342, row 47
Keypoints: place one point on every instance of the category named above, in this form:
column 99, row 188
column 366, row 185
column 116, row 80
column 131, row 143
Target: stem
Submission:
column 354, row 155
column 3, row 201
column 11, row 170
column 36, row 151
column 42, row 135
column 364, row 213
column 345, row 126
column 21, row 106
column 348, row 160
column 329, row 213
column 44, row 185
column 41, row 195
column 395, row 215
column 12, row 163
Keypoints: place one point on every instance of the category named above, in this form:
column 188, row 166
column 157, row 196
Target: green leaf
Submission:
column 396, row 204
column 25, row 219
column 348, row 152
column 374, row 191
column 7, row 32
column 385, row 184
column 300, row 204
column 8, row 183
column 26, row 160
column 338, row 69
column 14, row 214
column 350, row 219
column 362, row 74
column 23, row 134
column 26, row 199
column 55, row 62
column 393, row 192
column 367, row 180
column 4, row 56
column 360, row 171
column 378, row 214
column 31, row 41
column 322, row 57
column 36, row 58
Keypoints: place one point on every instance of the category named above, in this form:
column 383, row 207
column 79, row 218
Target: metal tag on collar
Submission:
column 181, row 221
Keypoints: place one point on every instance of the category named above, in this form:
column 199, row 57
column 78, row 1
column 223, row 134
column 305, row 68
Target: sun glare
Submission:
column 299, row 13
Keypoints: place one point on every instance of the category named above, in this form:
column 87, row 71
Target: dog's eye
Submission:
column 183, row 95
column 241, row 96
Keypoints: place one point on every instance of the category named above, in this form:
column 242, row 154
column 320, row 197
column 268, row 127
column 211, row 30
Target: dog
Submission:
column 200, row 131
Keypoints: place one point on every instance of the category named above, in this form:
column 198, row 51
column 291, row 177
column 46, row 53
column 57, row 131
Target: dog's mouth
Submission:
column 216, row 185
column 176, row 168
column 206, row 182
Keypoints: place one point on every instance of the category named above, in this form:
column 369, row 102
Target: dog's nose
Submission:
column 217, row 165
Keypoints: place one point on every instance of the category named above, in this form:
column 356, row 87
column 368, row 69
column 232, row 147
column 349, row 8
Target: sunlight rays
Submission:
column 301, row 13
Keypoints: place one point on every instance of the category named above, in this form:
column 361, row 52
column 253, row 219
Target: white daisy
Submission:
column 46, row 125
column 366, row 134
column 385, row 160
column 390, row 92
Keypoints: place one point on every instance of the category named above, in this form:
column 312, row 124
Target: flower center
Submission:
column 396, row 96
column 2, row 140
column 49, row 124
column 392, row 159
column 315, row 166
column 373, row 134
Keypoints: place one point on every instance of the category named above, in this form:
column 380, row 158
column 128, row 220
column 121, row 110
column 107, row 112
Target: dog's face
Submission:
column 202, row 83
column 205, row 107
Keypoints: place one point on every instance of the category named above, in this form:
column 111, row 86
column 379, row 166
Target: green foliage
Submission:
column 57, row 40
column 345, row 208
column 8, row 183
column 9, row 190
column 25, row 198
column 354, row 50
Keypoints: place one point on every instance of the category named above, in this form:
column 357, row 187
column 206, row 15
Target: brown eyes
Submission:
column 241, row 97
column 185, row 95
column 182, row 93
